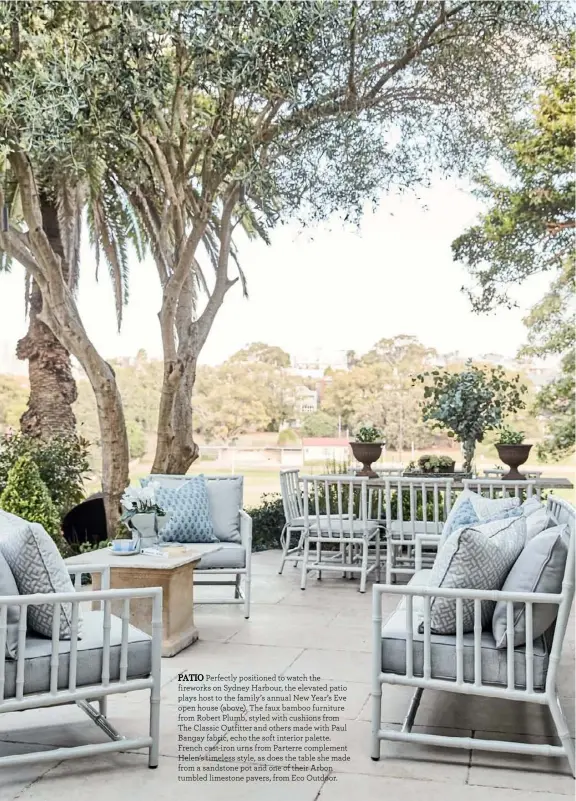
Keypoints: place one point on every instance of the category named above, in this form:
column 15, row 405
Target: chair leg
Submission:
column 389, row 558
column 304, row 570
column 247, row 586
column 364, row 566
column 103, row 705
column 300, row 546
column 563, row 731
column 237, row 586
column 319, row 558
column 376, row 721
column 285, row 542
column 153, row 751
column 377, row 556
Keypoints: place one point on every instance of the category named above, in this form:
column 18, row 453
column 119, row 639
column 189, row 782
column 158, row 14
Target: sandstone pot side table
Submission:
column 174, row 574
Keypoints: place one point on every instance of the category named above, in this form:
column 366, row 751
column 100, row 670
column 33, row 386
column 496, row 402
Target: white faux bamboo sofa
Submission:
column 408, row 652
column 81, row 657
column 231, row 565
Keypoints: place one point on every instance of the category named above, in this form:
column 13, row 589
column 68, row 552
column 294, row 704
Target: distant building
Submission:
column 317, row 360
column 322, row 449
column 306, row 401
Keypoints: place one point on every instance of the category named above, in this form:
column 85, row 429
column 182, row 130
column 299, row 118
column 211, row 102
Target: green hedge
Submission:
column 267, row 522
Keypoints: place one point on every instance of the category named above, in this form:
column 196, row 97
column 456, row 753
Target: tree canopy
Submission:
column 529, row 228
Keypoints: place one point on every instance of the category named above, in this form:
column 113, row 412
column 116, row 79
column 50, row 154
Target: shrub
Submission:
column 508, row 436
column 267, row 522
column 288, row 437
column 27, row 496
column 136, row 439
column 319, row 424
column 62, row 462
column 435, row 464
column 368, row 434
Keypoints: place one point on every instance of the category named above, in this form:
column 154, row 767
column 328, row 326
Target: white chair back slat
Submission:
column 291, row 494
column 428, row 510
column 498, row 488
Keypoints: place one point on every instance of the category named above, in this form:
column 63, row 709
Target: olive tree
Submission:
column 244, row 114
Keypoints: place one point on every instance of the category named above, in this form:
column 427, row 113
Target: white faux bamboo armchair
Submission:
column 418, row 658
column 130, row 661
column 403, row 535
column 339, row 515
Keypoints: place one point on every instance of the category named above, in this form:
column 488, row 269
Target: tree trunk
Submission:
column 175, row 446
column 52, row 385
column 65, row 324
column 468, row 448
column 35, row 251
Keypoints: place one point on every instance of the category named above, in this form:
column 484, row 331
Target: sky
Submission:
column 325, row 286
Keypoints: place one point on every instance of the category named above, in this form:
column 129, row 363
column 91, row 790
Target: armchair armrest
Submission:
column 77, row 570
column 246, row 533
column 423, row 591
column 424, row 539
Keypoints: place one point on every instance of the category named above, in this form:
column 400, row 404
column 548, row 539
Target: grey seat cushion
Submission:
column 230, row 555
column 443, row 653
column 355, row 528
column 89, row 669
column 299, row 522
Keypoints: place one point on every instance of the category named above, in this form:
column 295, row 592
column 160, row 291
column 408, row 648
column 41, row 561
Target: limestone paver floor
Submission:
column 325, row 630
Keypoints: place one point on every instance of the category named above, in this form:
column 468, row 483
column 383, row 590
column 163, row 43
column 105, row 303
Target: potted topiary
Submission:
column 470, row 403
column 430, row 463
column 512, row 452
column 367, row 449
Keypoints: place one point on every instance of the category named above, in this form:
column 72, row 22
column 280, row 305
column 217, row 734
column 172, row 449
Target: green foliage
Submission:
column 319, row 424
column 288, row 437
column 431, row 463
column 237, row 397
column 368, row 434
column 13, row 399
column 507, row 436
column 528, row 229
column 267, row 522
column 61, row 461
column 262, row 353
column 556, row 402
column 469, row 403
column 378, row 387
column 136, row 439
column 27, row 496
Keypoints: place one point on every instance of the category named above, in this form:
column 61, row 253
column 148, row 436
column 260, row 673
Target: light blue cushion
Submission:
column 189, row 507
column 464, row 515
column 467, row 516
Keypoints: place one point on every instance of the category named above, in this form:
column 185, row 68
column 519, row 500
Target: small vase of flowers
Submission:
column 143, row 516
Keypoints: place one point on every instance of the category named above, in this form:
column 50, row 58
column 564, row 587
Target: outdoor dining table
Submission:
column 457, row 484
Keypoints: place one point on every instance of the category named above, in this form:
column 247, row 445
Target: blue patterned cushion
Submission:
column 466, row 515
column 189, row 508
